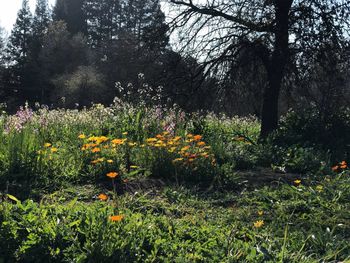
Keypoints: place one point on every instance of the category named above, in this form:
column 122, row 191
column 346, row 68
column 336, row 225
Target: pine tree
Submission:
column 17, row 53
column 71, row 12
column 36, row 81
column 41, row 18
column 2, row 65
column 20, row 37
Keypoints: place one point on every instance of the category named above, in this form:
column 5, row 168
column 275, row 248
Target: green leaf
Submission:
column 13, row 198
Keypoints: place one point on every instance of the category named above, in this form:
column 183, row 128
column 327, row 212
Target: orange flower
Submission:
column 197, row 137
column 96, row 150
column 118, row 141
column 201, row 143
column 343, row 165
column 335, row 168
column 185, row 148
column 102, row 197
column 116, row 218
column 112, row 175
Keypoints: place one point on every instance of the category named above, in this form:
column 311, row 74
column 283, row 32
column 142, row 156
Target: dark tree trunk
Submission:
column 275, row 68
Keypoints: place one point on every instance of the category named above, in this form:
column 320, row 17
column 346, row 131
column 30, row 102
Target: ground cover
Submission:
column 138, row 184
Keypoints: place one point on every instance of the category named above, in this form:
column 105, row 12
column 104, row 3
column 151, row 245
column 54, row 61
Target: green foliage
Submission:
column 309, row 128
column 172, row 173
column 179, row 225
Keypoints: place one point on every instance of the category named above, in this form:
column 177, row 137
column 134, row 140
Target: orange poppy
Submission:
column 335, row 168
column 95, row 150
column 102, row 197
column 343, row 165
column 197, row 137
column 116, row 218
column 112, row 175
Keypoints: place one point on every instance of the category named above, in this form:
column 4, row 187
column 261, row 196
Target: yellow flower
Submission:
column 205, row 155
column 172, row 149
column 185, row 148
column 319, row 188
column 102, row 197
column 82, row 136
column 112, row 175
column 151, row 140
column 116, row 218
column 259, row 223
column 47, row 145
column 54, row 149
column 94, row 161
column 297, row 182
column 177, row 160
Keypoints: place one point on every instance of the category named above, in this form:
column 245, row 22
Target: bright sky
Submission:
column 9, row 9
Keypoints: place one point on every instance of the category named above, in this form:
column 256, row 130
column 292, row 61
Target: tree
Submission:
column 60, row 55
column 40, row 25
column 127, row 36
column 81, row 87
column 2, row 64
column 71, row 12
column 279, row 31
column 41, row 18
column 20, row 37
column 17, row 52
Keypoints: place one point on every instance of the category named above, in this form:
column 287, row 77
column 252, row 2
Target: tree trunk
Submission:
column 275, row 68
column 269, row 114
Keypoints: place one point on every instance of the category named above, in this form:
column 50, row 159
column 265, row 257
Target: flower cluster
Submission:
column 48, row 150
column 17, row 121
column 188, row 150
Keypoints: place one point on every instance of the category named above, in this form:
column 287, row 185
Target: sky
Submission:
column 9, row 9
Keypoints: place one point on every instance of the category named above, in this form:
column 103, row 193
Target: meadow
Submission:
column 148, row 184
